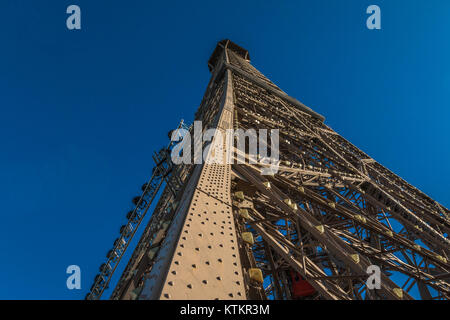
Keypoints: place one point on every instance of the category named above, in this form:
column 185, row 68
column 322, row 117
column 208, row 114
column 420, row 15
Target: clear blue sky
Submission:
column 82, row 111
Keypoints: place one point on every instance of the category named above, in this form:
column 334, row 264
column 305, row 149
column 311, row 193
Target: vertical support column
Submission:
column 200, row 257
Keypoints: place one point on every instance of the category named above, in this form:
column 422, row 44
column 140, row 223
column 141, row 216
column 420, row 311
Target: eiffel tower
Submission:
column 331, row 223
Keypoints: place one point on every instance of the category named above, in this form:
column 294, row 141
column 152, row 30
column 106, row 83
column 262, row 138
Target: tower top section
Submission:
column 226, row 44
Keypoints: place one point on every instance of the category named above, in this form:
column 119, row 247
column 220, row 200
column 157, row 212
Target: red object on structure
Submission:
column 300, row 287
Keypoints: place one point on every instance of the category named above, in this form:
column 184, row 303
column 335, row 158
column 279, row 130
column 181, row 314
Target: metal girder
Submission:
column 200, row 258
column 332, row 242
column 329, row 213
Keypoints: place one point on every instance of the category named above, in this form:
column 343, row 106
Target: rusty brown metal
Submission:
column 328, row 213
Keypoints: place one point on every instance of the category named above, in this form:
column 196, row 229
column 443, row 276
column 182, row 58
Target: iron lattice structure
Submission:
column 330, row 212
